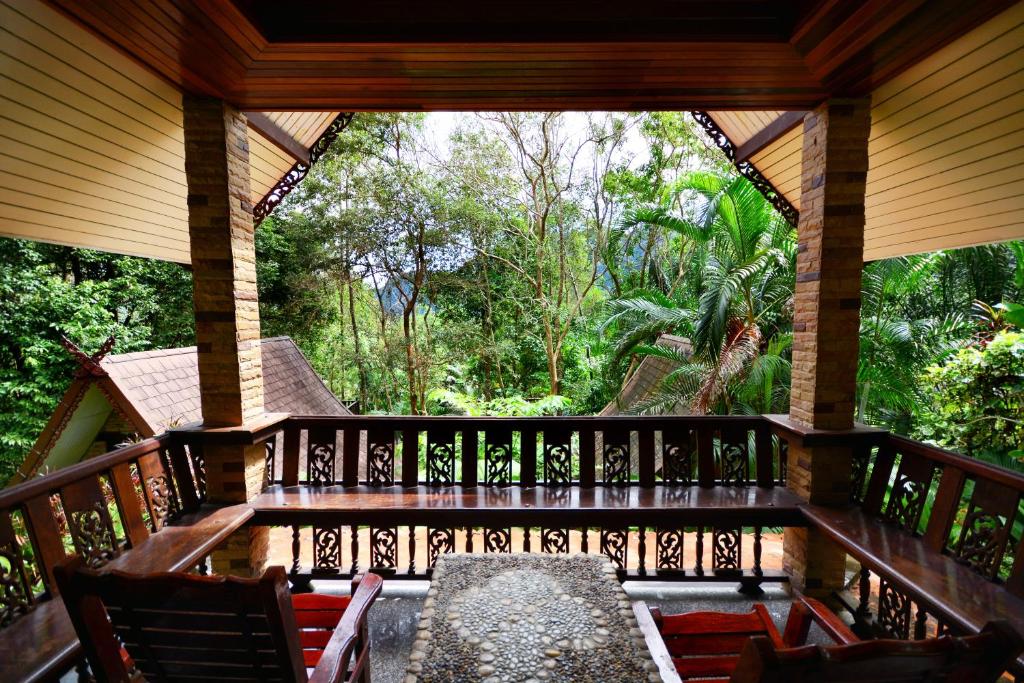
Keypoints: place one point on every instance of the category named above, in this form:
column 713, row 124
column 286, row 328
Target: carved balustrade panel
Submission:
column 669, row 549
column 986, row 528
column 615, row 456
column 498, row 457
column 734, row 457
column 909, row 492
column 557, row 456
column 16, row 597
column 89, row 522
column 439, row 542
column 678, row 456
column 326, row 549
column 441, row 456
column 383, row 549
column 321, row 456
column 380, row 456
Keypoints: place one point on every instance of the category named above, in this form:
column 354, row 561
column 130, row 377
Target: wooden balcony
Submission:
column 931, row 530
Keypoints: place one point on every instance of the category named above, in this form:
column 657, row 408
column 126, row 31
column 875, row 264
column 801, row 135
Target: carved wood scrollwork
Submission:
column 859, row 473
column 557, row 457
column 669, row 544
column 380, row 463
column 734, row 458
column 440, row 457
column 299, row 170
column 271, row 460
column 747, row 169
column 195, row 453
column 321, row 451
column 909, row 492
column 985, row 531
column 726, row 550
column 615, row 546
column 161, row 500
column 439, row 542
column 497, row 540
column 615, row 457
column 16, row 598
column 677, row 451
column 554, row 541
column 893, row 611
column 498, row 458
column 383, row 549
column 326, row 549
column 92, row 533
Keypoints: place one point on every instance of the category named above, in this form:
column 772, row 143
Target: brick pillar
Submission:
column 226, row 307
column 826, row 325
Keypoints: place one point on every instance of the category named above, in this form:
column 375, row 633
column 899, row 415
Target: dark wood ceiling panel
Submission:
column 531, row 54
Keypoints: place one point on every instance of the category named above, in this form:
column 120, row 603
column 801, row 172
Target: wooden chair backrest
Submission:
column 979, row 658
column 176, row 626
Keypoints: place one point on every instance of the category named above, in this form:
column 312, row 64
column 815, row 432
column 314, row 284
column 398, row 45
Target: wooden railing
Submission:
column 545, row 451
column 97, row 509
column 956, row 507
column 611, row 456
column 711, row 477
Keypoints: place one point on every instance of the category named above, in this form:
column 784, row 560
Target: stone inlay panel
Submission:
column 528, row 617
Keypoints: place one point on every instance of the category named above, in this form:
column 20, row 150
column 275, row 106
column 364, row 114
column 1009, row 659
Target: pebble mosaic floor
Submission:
column 527, row 618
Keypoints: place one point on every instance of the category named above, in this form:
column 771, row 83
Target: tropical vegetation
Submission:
column 525, row 264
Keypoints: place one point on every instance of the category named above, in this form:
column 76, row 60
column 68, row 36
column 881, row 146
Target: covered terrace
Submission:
column 169, row 129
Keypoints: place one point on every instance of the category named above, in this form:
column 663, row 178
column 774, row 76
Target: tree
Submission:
column 738, row 272
column 48, row 291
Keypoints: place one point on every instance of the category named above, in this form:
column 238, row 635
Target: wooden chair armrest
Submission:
column 806, row 610
column 334, row 661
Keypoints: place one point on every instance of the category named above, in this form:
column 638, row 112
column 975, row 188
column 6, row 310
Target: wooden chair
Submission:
column 177, row 627
column 747, row 648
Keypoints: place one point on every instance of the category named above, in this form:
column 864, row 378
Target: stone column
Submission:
column 226, row 310
column 826, row 326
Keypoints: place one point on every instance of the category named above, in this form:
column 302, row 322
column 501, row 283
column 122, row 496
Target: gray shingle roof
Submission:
column 163, row 385
column 646, row 379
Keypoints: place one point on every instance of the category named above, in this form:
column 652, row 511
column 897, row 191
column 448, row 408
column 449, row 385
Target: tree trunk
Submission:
column 360, row 365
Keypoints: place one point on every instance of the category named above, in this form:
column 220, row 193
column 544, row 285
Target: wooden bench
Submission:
column 617, row 485
column 954, row 567
column 165, row 527
column 570, row 506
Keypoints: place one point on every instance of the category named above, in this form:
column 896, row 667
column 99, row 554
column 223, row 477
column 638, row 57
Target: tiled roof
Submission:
column 163, row 385
column 648, row 376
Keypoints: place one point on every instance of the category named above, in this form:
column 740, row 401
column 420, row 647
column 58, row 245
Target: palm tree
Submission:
column 895, row 347
column 731, row 299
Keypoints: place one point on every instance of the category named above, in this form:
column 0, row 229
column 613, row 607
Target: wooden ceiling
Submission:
column 392, row 55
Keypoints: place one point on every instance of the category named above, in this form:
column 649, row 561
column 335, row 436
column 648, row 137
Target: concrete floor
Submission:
column 394, row 616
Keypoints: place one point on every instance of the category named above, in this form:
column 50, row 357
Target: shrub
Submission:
column 977, row 404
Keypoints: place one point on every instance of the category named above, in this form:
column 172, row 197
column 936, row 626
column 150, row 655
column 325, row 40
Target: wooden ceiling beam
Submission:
column 409, row 57
column 769, row 134
column 265, row 126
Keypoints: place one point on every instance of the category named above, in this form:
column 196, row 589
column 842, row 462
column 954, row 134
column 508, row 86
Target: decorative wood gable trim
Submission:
column 746, row 168
column 299, row 170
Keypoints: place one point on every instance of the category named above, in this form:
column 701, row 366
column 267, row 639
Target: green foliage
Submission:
column 46, row 291
column 977, row 401
column 448, row 402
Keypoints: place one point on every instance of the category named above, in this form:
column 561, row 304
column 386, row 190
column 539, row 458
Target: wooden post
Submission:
column 226, row 310
column 826, row 326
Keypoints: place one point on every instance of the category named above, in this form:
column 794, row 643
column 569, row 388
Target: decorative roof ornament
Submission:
column 88, row 365
column 746, row 168
column 299, row 170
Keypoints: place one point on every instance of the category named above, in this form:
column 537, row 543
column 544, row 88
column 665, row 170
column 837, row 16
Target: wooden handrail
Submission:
column 18, row 493
column 970, row 466
column 572, row 450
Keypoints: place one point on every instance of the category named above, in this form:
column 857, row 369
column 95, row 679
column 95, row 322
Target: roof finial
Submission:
column 88, row 366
